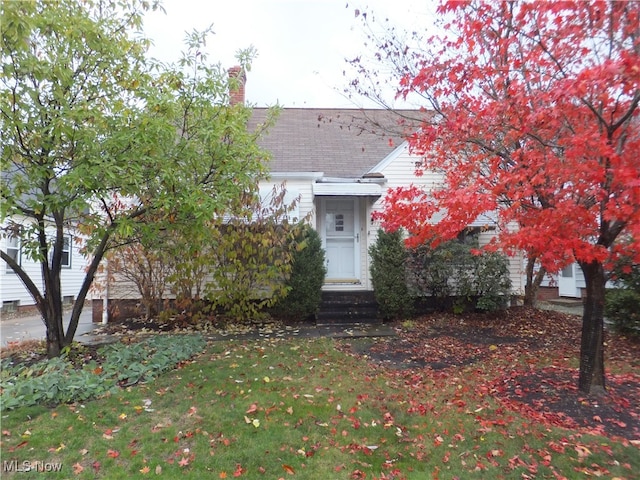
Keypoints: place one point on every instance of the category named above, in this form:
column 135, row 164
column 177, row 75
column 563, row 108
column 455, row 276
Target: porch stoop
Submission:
column 347, row 308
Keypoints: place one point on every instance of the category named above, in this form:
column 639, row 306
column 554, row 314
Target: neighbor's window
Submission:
column 13, row 250
column 66, row 252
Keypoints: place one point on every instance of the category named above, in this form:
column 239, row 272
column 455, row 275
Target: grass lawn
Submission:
column 317, row 409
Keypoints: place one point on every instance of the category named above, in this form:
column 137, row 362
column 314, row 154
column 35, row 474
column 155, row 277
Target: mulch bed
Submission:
column 446, row 342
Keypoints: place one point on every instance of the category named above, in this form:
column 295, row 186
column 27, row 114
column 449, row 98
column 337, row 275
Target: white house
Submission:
column 342, row 162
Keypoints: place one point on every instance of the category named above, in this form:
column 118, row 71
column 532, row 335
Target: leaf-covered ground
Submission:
column 445, row 397
column 527, row 359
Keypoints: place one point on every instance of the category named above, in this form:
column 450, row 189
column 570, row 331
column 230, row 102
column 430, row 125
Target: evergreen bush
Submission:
column 304, row 283
column 388, row 275
column 622, row 305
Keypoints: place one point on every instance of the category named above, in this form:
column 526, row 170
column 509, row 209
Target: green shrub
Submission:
column 491, row 282
column 305, row 281
column 432, row 271
column 388, row 275
column 458, row 278
column 622, row 305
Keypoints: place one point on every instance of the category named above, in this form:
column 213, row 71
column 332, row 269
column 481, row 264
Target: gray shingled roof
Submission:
column 339, row 142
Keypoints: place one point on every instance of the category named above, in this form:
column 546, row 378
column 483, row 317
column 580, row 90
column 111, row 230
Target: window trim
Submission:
column 69, row 250
column 18, row 252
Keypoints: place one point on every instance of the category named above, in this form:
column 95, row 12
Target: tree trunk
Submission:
column 52, row 316
column 533, row 282
column 592, row 377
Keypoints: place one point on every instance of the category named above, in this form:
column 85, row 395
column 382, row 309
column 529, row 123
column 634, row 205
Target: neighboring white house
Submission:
column 14, row 294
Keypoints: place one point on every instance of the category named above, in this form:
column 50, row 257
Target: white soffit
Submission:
column 348, row 189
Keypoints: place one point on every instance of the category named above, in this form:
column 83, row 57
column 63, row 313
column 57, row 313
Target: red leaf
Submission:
column 238, row 471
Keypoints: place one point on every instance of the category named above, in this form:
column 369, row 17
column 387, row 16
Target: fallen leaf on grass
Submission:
column 113, row 453
column 62, row 446
column 289, row 469
column 77, row 468
column 239, row 470
column 582, row 451
column 20, row 445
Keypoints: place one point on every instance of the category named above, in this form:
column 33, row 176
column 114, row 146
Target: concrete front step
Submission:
column 344, row 308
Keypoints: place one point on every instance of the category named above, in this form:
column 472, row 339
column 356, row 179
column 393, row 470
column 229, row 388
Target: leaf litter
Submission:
column 514, row 347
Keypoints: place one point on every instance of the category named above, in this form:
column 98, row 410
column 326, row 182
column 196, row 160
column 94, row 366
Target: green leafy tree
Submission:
column 98, row 138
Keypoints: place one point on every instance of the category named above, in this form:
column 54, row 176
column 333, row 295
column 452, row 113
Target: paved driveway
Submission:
column 26, row 327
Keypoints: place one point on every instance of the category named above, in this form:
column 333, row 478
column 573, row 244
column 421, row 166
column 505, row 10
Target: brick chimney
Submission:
column 237, row 80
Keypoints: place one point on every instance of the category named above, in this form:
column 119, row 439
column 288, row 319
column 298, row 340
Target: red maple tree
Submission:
column 536, row 118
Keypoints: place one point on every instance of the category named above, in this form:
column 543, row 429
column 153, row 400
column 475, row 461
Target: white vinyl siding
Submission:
column 400, row 171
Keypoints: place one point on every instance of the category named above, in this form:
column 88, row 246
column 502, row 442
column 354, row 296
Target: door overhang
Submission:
column 347, row 189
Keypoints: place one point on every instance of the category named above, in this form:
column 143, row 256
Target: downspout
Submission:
column 105, row 299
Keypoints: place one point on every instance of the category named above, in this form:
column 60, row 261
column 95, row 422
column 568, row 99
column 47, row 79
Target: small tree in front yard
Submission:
column 98, row 138
column 536, row 108
column 250, row 255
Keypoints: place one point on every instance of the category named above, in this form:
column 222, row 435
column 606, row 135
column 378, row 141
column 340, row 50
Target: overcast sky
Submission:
column 301, row 44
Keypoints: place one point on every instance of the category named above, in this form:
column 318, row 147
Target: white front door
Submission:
column 341, row 234
column 567, row 286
